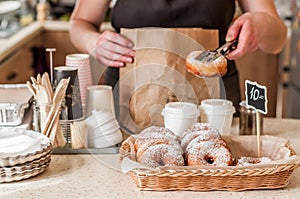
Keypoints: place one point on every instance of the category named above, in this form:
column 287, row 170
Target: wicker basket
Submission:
column 208, row 178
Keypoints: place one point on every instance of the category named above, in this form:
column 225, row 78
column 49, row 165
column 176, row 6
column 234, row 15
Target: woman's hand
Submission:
column 246, row 31
column 112, row 49
column 260, row 27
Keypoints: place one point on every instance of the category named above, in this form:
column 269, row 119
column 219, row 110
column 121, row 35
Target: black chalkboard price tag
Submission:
column 256, row 96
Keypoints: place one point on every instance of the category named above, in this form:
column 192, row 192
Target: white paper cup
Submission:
column 179, row 116
column 217, row 112
column 100, row 98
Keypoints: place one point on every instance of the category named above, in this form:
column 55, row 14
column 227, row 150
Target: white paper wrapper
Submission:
column 272, row 147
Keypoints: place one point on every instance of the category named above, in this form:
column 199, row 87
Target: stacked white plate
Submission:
column 23, row 154
column 103, row 130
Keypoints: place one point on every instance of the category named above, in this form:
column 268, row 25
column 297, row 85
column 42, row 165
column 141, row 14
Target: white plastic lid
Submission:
column 180, row 109
column 217, row 106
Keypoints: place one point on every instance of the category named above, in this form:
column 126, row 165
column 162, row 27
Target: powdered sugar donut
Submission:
column 217, row 67
column 158, row 146
column 202, row 126
column 246, row 161
column 158, row 130
column 153, row 142
column 197, row 127
column 203, row 135
column 208, row 153
column 160, row 155
column 155, row 133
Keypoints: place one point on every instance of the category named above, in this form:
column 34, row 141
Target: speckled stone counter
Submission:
column 99, row 176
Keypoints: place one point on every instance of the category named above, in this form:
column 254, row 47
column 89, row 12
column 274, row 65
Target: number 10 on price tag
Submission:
column 256, row 98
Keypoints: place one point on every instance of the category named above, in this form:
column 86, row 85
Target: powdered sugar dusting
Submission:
column 246, row 161
column 202, row 144
column 156, row 134
column 161, row 155
column 158, row 146
column 191, row 59
column 203, row 126
column 199, row 127
column 201, row 135
column 207, row 153
column 157, row 131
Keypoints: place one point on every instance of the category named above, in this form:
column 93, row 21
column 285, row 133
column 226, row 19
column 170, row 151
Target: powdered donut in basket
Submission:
column 217, row 67
column 203, row 130
column 155, row 133
column 208, row 153
column 203, row 146
column 158, row 146
column 246, row 161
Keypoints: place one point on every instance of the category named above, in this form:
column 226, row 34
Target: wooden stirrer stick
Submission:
column 258, row 133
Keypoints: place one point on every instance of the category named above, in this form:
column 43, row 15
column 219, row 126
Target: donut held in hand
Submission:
column 200, row 68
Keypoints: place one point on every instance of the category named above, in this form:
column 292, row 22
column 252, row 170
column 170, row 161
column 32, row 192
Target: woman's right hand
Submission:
column 112, row 49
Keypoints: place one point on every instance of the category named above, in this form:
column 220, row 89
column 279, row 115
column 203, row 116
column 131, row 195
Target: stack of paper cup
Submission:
column 82, row 63
column 103, row 130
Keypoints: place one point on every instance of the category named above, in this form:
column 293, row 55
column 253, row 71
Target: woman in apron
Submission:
column 258, row 27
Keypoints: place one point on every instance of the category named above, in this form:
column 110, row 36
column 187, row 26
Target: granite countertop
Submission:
column 99, row 176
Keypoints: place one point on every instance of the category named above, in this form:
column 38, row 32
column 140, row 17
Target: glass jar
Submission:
column 248, row 122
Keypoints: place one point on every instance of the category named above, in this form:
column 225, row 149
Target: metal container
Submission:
column 248, row 123
column 12, row 114
column 14, row 103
